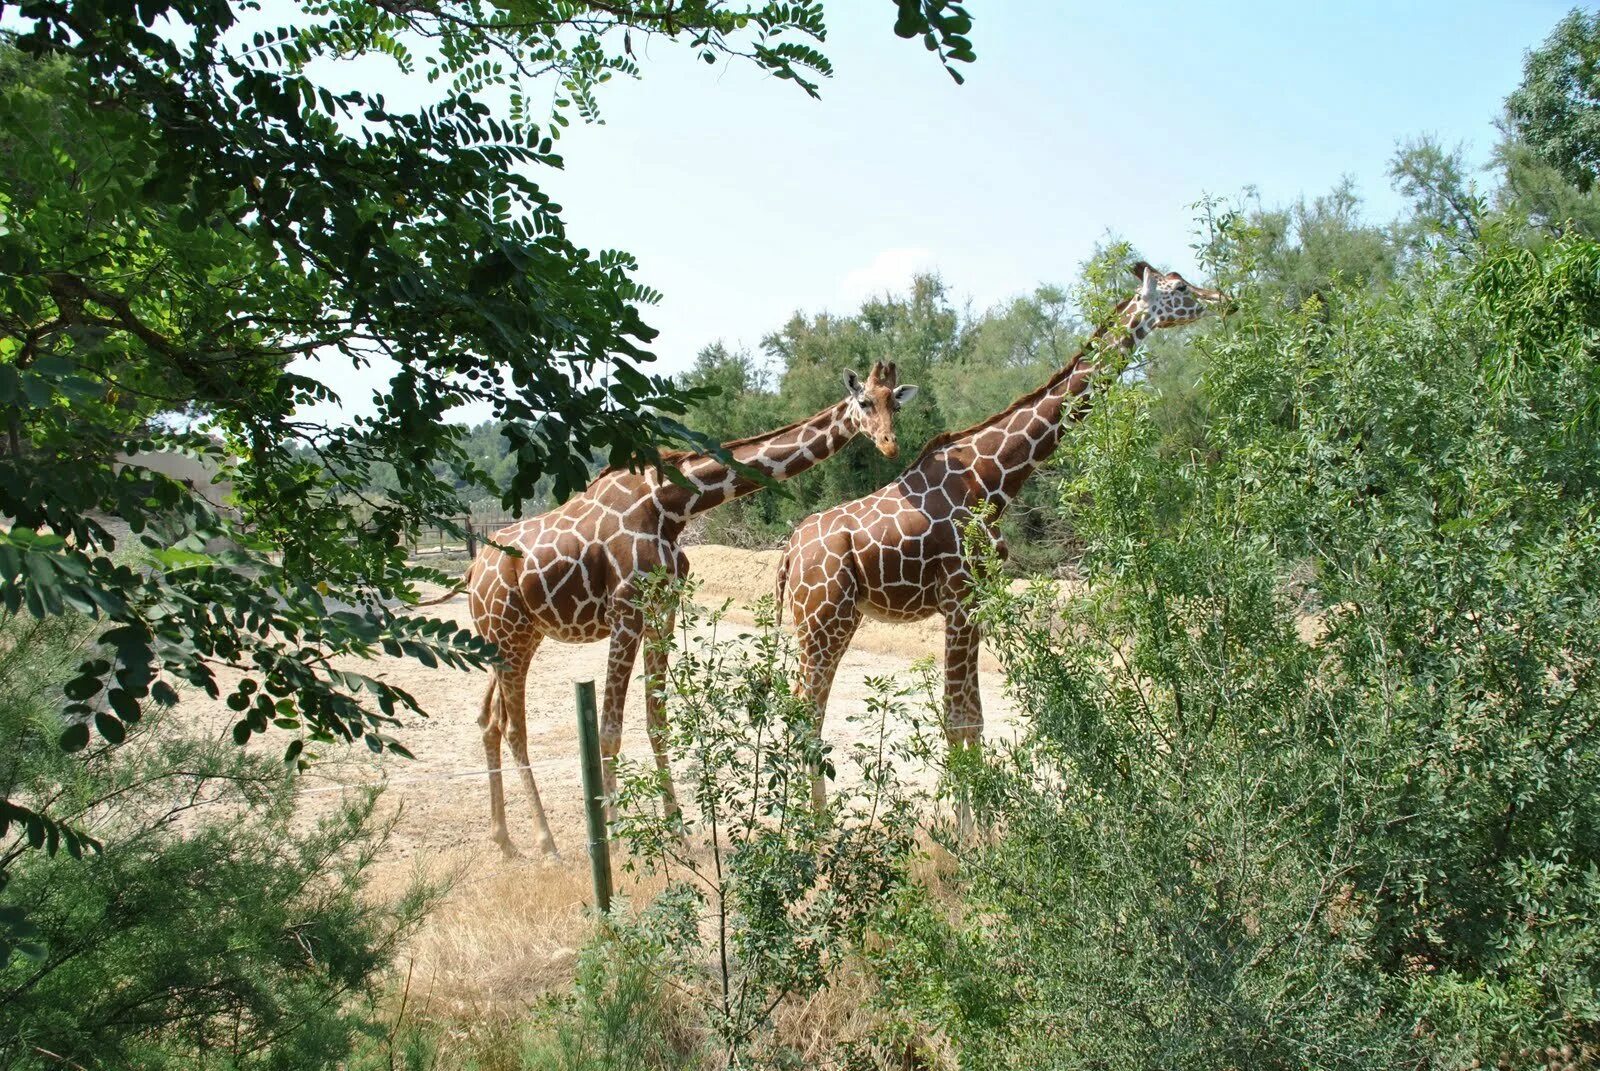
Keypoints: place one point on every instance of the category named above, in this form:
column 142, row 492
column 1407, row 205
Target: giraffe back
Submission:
column 901, row 543
column 573, row 562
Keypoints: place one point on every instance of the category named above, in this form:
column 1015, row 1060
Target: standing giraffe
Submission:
column 579, row 575
column 896, row 554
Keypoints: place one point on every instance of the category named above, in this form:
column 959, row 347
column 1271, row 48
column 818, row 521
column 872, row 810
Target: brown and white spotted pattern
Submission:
column 895, row 554
column 579, row 575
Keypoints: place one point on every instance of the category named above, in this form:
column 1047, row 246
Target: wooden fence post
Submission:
column 472, row 540
column 594, row 803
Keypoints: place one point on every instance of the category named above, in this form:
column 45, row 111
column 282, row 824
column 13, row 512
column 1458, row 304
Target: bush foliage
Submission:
column 1307, row 773
column 209, row 928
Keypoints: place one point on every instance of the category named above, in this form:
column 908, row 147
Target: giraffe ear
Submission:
column 1140, row 269
column 904, row 394
column 1147, row 284
column 852, row 382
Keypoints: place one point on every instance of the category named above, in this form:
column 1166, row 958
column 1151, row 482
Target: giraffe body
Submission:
column 580, row 568
column 896, row 554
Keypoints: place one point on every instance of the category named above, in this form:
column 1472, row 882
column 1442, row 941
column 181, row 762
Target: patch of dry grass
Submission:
column 508, row 934
column 505, row 934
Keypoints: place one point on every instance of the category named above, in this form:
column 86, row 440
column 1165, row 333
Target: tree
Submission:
column 735, row 397
column 1556, row 109
column 191, row 204
column 1014, row 347
column 1308, row 246
column 1444, row 202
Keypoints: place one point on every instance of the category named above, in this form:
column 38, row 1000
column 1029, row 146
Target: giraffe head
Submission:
column 1167, row 299
column 873, row 404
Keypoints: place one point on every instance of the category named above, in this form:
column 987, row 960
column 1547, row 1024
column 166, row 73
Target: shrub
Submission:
column 1307, row 776
column 765, row 897
column 620, row 1016
column 211, row 929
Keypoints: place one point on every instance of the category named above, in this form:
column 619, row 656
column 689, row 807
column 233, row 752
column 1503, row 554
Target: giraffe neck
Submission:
column 1031, row 427
column 777, row 455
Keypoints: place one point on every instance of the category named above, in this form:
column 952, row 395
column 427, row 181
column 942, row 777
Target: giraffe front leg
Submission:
column 963, row 702
column 626, row 629
column 655, row 679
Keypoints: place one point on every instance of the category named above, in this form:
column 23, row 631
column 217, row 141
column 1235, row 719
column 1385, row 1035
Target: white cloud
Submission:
column 889, row 271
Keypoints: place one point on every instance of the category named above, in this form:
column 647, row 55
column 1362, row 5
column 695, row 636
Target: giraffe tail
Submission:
column 466, row 582
column 446, row 597
column 783, row 581
column 487, row 710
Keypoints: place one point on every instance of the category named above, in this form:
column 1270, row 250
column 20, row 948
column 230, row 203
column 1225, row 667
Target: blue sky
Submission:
column 744, row 200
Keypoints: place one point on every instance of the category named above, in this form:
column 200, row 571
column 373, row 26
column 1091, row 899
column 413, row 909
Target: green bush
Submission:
column 619, row 1016
column 765, row 897
column 1308, row 771
column 210, row 929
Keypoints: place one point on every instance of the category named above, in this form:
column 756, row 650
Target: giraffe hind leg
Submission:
column 489, row 721
column 513, row 697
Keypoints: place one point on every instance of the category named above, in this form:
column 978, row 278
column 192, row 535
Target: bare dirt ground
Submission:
column 508, row 928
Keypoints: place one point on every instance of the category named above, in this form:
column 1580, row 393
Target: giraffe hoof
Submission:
column 508, row 850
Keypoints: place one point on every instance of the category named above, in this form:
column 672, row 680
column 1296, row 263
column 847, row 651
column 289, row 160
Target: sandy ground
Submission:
column 442, row 813
column 510, row 923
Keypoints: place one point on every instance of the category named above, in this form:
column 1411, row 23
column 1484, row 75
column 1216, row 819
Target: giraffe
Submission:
column 579, row 574
column 895, row 554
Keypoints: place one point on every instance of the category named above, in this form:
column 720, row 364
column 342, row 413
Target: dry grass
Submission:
column 507, row 937
column 504, row 936
column 813, row 1028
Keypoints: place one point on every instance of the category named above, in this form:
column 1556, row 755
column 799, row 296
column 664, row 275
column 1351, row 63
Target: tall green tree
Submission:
column 1555, row 112
column 919, row 331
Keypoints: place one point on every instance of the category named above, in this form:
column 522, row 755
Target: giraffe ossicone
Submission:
column 896, row 554
column 581, row 570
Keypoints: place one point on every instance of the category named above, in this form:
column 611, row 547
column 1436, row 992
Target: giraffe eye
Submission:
column 866, row 403
column 1181, row 287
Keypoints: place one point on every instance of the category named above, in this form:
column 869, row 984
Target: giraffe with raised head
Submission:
column 895, row 554
column 582, row 565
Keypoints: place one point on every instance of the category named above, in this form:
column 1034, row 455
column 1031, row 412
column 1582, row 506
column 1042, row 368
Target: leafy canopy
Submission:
column 1556, row 109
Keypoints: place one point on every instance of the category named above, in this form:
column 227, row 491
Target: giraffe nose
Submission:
column 889, row 447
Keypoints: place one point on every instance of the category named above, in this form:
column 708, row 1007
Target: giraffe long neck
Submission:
column 777, row 455
column 1009, row 447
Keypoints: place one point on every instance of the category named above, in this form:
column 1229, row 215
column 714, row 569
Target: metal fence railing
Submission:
column 444, row 541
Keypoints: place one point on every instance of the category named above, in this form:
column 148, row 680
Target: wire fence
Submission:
column 474, row 532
